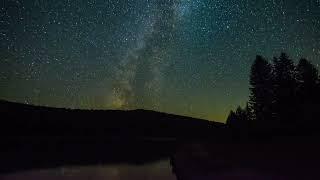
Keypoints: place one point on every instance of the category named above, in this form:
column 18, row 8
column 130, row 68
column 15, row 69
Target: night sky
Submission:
column 188, row 57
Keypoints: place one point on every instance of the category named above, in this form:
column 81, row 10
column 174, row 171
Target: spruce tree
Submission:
column 284, row 87
column 307, row 77
column 231, row 119
column 307, row 92
column 261, row 91
column 238, row 120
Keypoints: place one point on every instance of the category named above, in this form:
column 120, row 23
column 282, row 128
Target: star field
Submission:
column 188, row 57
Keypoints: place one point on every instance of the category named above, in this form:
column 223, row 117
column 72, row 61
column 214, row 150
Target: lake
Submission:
column 159, row 170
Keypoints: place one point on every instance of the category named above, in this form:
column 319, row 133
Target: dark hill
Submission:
column 42, row 137
column 28, row 120
column 35, row 137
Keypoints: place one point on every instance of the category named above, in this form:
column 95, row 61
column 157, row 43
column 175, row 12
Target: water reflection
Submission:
column 153, row 171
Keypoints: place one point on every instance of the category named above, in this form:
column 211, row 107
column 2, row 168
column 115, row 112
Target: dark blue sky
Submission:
column 189, row 57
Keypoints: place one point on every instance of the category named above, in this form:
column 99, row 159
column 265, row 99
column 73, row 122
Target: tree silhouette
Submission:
column 317, row 98
column 239, row 120
column 306, row 90
column 284, row 87
column 318, row 90
column 282, row 95
column 307, row 77
column 232, row 118
column 261, row 91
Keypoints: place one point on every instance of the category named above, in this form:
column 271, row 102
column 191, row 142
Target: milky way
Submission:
column 140, row 73
column 188, row 57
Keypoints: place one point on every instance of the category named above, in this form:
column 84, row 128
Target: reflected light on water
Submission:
column 154, row 171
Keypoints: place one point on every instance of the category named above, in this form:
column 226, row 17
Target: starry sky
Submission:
column 187, row 57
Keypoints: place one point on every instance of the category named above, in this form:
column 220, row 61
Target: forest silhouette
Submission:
column 283, row 97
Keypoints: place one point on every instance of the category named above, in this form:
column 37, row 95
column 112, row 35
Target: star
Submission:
column 162, row 55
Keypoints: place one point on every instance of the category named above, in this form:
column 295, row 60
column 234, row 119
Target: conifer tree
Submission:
column 284, row 87
column 261, row 91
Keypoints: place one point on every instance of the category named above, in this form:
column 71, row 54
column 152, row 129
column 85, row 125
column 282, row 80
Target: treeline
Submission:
column 282, row 95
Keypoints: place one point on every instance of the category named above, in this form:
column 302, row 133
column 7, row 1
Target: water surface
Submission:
column 152, row 171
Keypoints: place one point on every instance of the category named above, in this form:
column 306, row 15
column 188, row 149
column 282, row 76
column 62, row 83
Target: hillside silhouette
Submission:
column 29, row 120
column 42, row 137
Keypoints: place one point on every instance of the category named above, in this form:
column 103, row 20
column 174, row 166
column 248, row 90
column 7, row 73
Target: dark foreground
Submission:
column 37, row 139
column 283, row 159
